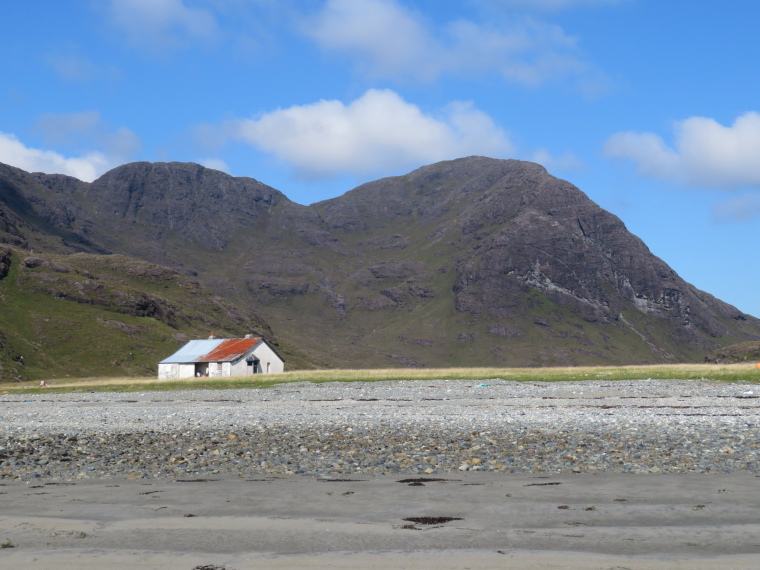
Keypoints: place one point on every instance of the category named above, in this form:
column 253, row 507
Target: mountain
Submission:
column 475, row 261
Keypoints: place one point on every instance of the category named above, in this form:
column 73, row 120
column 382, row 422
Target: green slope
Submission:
column 87, row 315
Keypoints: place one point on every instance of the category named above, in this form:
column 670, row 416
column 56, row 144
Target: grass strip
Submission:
column 746, row 373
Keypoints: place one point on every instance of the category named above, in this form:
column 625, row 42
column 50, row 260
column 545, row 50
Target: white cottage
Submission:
column 221, row 357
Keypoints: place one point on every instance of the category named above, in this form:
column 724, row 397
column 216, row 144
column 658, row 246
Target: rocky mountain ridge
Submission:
column 474, row 261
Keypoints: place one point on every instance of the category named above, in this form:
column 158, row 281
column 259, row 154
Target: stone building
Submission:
column 221, row 357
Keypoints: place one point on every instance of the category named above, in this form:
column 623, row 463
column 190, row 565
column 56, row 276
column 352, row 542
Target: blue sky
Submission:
column 652, row 108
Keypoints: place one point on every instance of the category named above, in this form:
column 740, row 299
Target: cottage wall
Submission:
column 219, row 369
column 175, row 371
column 239, row 368
column 270, row 362
column 167, row 371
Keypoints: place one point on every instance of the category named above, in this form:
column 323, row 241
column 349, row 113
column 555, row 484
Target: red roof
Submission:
column 229, row 350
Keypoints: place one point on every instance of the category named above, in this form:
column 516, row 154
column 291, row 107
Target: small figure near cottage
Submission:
column 43, row 384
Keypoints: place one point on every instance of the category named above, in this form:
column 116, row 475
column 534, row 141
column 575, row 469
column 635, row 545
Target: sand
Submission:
column 589, row 521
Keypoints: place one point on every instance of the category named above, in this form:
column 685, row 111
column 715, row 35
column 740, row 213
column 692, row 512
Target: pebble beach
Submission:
column 407, row 427
column 418, row 474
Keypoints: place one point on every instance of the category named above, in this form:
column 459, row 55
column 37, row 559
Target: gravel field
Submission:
column 415, row 427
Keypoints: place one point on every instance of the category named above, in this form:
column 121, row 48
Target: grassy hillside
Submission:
column 86, row 315
column 735, row 353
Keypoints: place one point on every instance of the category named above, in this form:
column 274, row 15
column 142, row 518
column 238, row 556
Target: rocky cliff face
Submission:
column 186, row 199
column 530, row 230
column 473, row 261
column 512, row 231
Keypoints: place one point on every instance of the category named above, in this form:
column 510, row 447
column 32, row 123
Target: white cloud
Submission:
column 567, row 161
column 79, row 131
column 76, row 134
column 162, row 24
column 87, row 167
column 58, row 126
column 377, row 133
column 214, row 163
column 739, row 209
column 705, row 153
column 389, row 40
column 548, row 5
column 73, row 68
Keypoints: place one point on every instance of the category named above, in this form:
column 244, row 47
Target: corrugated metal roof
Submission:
column 229, row 350
column 212, row 350
column 192, row 350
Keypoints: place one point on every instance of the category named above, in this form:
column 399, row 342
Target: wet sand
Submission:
column 498, row 521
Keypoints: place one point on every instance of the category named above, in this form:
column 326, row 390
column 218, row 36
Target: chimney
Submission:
column 249, row 336
column 211, row 335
